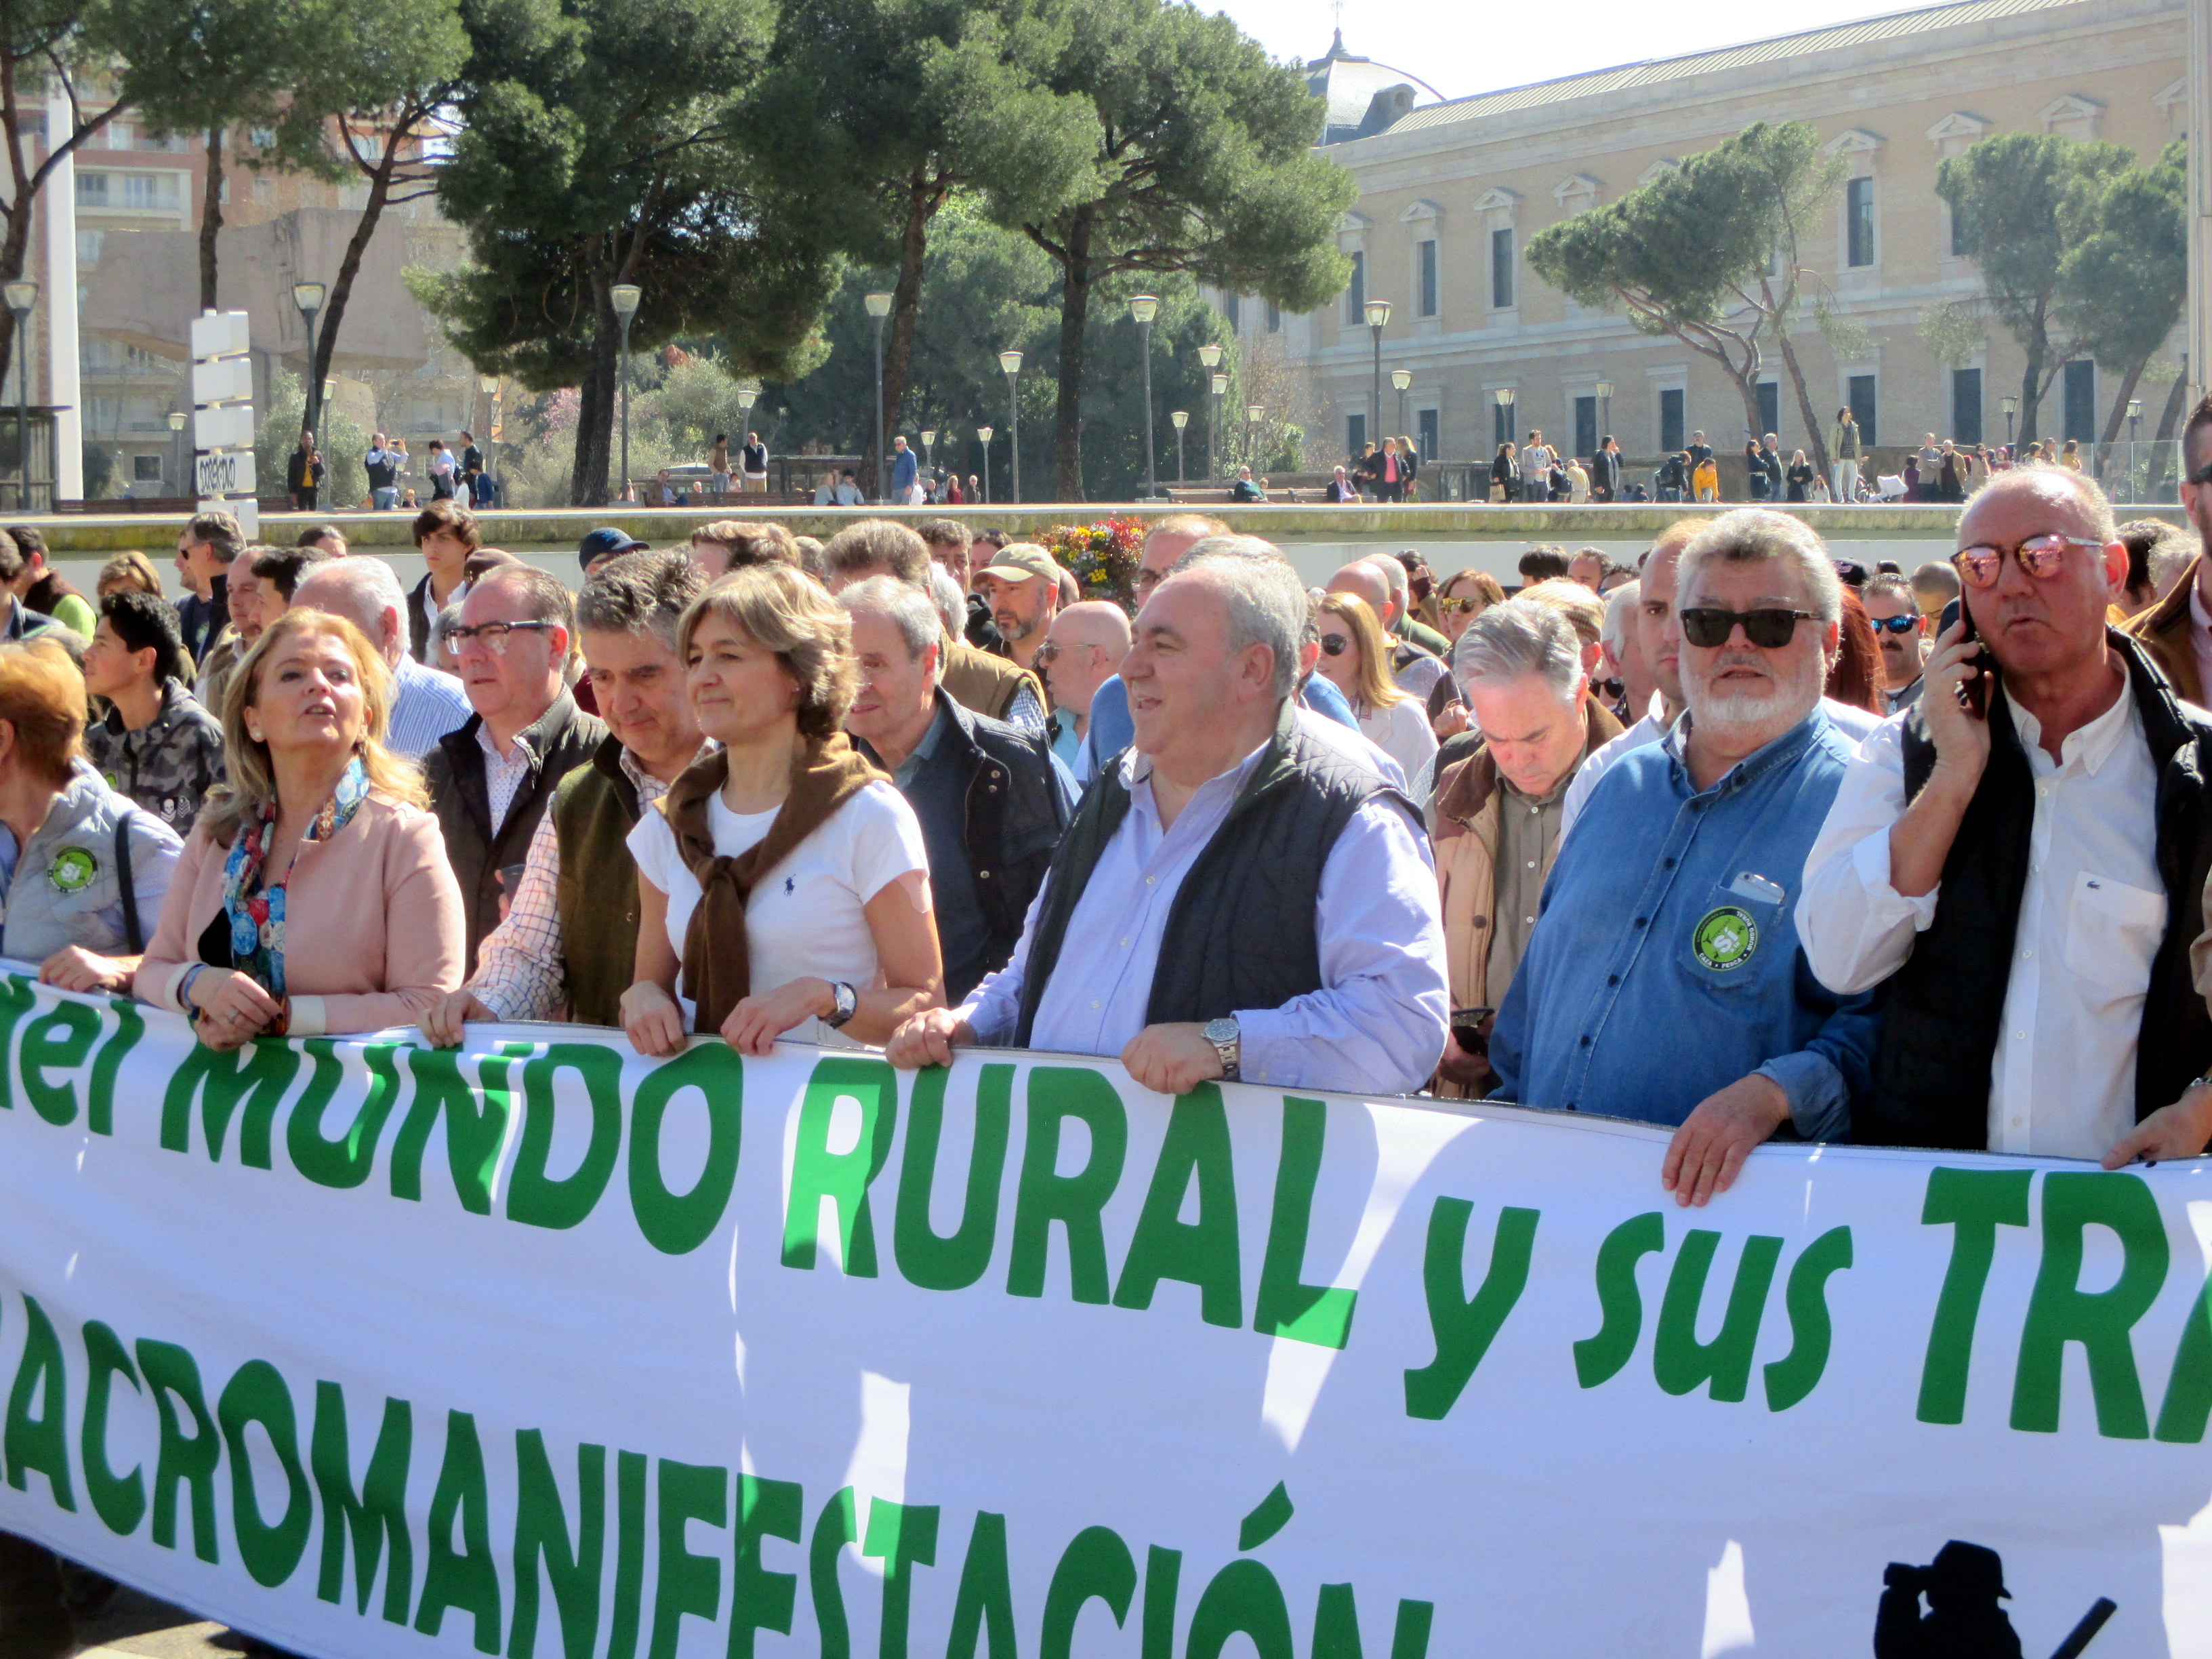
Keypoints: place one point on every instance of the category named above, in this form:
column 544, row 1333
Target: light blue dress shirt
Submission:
column 1665, row 963
column 425, row 706
column 1377, row 1026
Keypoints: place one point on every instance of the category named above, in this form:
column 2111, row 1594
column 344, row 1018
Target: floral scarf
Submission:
column 257, row 911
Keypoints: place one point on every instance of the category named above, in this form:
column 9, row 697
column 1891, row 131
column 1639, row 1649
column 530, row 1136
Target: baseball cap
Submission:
column 1018, row 560
column 601, row 542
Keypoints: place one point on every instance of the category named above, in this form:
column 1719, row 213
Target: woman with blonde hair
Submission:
column 320, row 825
column 1355, row 658
column 783, row 884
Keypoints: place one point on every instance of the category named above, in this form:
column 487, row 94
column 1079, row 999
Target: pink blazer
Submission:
column 373, row 933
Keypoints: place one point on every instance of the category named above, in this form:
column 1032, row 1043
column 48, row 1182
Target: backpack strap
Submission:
column 132, row 935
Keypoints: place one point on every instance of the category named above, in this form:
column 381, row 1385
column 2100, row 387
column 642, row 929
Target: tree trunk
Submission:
column 2169, row 419
column 2120, row 401
column 1816, row 440
column 1074, row 316
column 598, row 412
column 210, row 217
column 2031, row 380
column 323, row 347
column 922, row 198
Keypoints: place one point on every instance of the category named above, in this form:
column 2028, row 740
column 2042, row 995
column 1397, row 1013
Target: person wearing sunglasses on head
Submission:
column 1663, row 981
column 2018, row 861
column 1902, row 632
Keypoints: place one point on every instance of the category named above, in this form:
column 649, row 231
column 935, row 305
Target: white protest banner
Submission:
column 536, row 1348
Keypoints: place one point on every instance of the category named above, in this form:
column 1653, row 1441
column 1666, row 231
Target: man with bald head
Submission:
column 425, row 703
column 1084, row 646
column 2021, row 856
column 1415, row 670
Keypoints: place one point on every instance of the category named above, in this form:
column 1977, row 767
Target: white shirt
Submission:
column 1402, row 730
column 502, row 775
column 2063, row 1082
column 806, row 918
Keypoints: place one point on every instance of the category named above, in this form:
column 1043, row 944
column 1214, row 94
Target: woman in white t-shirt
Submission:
column 783, row 881
column 1355, row 655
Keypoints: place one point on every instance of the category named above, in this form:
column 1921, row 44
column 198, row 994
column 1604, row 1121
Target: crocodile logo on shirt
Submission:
column 1725, row 939
column 72, row 870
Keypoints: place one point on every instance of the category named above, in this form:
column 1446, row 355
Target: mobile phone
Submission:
column 1466, row 1031
column 1977, row 689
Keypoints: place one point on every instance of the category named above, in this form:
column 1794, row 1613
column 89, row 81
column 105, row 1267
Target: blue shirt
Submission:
column 904, row 468
column 1665, row 963
column 425, row 706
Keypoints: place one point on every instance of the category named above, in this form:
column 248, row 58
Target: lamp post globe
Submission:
column 1179, row 418
column 1253, row 412
column 1604, row 390
column 1009, row 361
column 1377, row 313
column 2011, row 407
column 1403, row 379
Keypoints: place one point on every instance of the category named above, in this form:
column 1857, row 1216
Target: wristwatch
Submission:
column 848, row 1000
column 1227, row 1039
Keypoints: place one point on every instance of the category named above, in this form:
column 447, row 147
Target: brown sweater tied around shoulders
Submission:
column 717, row 961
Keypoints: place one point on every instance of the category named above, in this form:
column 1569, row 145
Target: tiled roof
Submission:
column 1866, row 31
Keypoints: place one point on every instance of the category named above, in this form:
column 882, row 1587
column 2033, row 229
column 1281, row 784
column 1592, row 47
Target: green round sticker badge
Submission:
column 72, row 870
column 1725, row 939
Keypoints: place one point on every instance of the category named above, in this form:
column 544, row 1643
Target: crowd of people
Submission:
column 1746, row 841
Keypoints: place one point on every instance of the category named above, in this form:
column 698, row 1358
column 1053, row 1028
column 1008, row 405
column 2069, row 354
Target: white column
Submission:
column 58, row 210
column 2200, row 196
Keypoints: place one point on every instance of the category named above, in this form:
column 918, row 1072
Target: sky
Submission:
column 1462, row 49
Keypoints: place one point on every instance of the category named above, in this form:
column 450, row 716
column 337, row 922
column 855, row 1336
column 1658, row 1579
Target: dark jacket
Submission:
column 199, row 620
column 992, row 809
column 562, row 739
column 1605, row 471
column 1241, row 933
column 1946, row 1007
column 594, row 809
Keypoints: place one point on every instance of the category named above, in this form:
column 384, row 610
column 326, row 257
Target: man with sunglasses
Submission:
column 1663, row 979
column 2021, row 864
column 490, row 781
column 1902, row 632
column 2177, row 631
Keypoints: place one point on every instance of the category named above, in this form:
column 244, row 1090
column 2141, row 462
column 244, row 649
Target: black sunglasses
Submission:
column 1334, row 645
column 1894, row 624
column 1769, row 630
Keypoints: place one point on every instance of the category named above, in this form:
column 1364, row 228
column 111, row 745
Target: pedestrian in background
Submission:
column 303, row 472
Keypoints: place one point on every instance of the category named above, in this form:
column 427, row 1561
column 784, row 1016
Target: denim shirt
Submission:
column 1665, row 965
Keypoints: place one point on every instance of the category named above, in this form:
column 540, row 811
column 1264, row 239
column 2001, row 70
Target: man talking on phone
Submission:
column 2021, row 857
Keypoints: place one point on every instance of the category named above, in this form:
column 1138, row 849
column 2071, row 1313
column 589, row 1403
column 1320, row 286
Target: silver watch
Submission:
column 1227, row 1039
column 848, row 1000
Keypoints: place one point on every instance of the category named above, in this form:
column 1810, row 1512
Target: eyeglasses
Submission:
column 494, row 634
column 1894, row 624
column 1768, row 629
column 1470, row 602
column 1979, row 566
column 1334, row 645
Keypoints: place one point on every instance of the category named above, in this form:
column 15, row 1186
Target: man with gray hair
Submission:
column 2021, row 857
column 1232, row 901
column 1663, row 981
column 425, row 704
column 991, row 797
column 567, row 945
column 1496, row 815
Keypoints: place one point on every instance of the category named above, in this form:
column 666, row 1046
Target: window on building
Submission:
column 1966, row 405
column 264, row 189
column 1770, row 407
column 1355, row 293
column 1425, row 432
column 88, row 246
column 2081, row 410
column 1426, row 265
column 1501, row 423
column 1858, row 223
column 1586, row 426
column 91, row 189
column 1274, row 317
column 153, row 192
column 31, row 126
column 262, row 137
column 146, row 469
column 1674, row 430
column 1355, row 434
column 1501, row 268
column 1860, row 396
column 1962, row 234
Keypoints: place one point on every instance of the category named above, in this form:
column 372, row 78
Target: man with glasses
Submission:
column 491, row 780
column 2177, row 631
column 2021, row 857
column 1663, row 979
column 1084, row 649
column 1902, row 632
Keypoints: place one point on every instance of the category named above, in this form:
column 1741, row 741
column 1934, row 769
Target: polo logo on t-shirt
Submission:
column 790, row 885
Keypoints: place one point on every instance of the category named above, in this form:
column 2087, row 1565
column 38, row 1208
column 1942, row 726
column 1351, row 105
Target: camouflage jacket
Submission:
column 167, row 767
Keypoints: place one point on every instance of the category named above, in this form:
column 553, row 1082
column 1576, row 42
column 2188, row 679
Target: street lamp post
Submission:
column 1011, row 362
column 1505, row 395
column 1252, row 414
column 1605, row 409
column 1143, row 308
column 624, row 298
column 1378, row 313
column 879, row 306
column 488, row 385
column 1402, row 379
column 983, row 435
column 177, row 419
column 23, row 296
column 2011, row 407
column 308, row 296
column 2135, row 419
column 1209, row 357
column 747, row 396
column 1180, row 418
column 928, row 449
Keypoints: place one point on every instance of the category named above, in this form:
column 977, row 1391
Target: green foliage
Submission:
column 1952, row 332
column 341, row 442
column 2006, row 195
column 2124, row 277
column 99, row 471
column 371, row 65
column 696, row 399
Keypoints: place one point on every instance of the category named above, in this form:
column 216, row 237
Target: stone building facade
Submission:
column 1452, row 191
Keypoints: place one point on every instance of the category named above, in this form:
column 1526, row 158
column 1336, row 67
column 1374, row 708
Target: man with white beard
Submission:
column 1664, row 980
